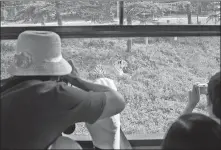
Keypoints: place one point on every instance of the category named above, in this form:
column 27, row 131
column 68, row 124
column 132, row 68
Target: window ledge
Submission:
column 149, row 141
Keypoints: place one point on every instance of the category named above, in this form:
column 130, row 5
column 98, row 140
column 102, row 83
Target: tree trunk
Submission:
column 129, row 45
column 58, row 13
column 197, row 17
column 121, row 12
column 129, row 41
column 198, row 12
column 216, row 18
column 189, row 14
column 3, row 16
column 42, row 23
column 42, row 19
column 175, row 38
column 146, row 41
column 118, row 9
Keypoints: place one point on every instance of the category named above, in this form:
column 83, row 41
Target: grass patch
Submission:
column 162, row 73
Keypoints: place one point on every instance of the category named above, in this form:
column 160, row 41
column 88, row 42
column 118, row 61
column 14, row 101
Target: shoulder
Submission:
column 107, row 82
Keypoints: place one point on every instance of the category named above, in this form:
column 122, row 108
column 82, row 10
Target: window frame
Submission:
column 150, row 141
column 108, row 31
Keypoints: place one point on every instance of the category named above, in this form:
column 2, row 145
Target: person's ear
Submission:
column 74, row 69
column 208, row 100
column 209, row 108
column 216, row 108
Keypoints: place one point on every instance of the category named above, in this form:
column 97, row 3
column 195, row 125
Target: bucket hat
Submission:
column 38, row 53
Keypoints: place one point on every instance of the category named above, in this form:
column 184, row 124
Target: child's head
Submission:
column 193, row 131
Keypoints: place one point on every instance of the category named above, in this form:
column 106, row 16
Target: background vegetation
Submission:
column 162, row 73
column 103, row 11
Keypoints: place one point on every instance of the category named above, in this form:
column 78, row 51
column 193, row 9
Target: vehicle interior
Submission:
column 154, row 37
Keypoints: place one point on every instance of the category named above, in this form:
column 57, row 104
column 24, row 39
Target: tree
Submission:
column 40, row 11
column 189, row 13
column 35, row 11
column 58, row 12
column 184, row 7
column 9, row 9
column 3, row 14
column 96, row 11
column 143, row 11
column 198, row 12
column 215, row 15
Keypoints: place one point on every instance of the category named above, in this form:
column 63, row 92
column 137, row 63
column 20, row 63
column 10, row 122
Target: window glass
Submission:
column 58, row 13
column 98, row 12
column 174, row 12
column 159, row 72
column 156, row 80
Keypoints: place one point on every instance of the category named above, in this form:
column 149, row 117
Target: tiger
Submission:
column 115, row 69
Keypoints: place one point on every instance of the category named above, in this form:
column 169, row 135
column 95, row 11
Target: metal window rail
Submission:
column 118, row 31
column 150, row 141
column 160, row 1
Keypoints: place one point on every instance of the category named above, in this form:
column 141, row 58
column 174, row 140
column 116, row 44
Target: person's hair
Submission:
column 214, row 94
column 193, row 131
column 64, row 142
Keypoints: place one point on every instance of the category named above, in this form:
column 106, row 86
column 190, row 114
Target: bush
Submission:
column 8, row 46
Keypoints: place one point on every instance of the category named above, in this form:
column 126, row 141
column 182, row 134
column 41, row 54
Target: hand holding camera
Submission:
column 194, row 95
column 74, row 78
column 203, row 88
column 74, row 72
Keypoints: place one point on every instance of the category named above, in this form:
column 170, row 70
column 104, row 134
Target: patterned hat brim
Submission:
column 45, row 69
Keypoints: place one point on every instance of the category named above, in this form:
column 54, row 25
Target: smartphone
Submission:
column 203, row 88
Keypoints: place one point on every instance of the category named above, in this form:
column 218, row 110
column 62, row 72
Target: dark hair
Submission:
column 214, row 94
column 193, row 131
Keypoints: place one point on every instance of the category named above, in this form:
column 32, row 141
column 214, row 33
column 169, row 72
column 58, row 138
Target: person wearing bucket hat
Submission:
column 37, row 106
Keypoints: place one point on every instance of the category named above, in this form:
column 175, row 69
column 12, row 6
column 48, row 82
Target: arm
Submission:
column 114, row 100
column 194, row 96
column 190, row 106
column 114, row 105
column 85, row 85
column 74, row 79
column 91, row 106
column 89, row 86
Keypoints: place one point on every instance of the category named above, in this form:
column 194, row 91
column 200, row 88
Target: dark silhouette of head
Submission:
column 192, row 132
column 214, row 98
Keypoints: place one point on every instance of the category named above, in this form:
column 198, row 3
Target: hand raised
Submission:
column 194, row 95
column 70, row 78
column 74, row 71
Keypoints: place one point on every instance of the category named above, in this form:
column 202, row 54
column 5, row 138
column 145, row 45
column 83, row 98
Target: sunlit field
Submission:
column 161, row 74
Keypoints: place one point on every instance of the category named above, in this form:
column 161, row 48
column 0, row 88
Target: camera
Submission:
column 203, row 88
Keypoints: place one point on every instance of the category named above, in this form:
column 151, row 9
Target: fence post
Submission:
column 121, row 12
